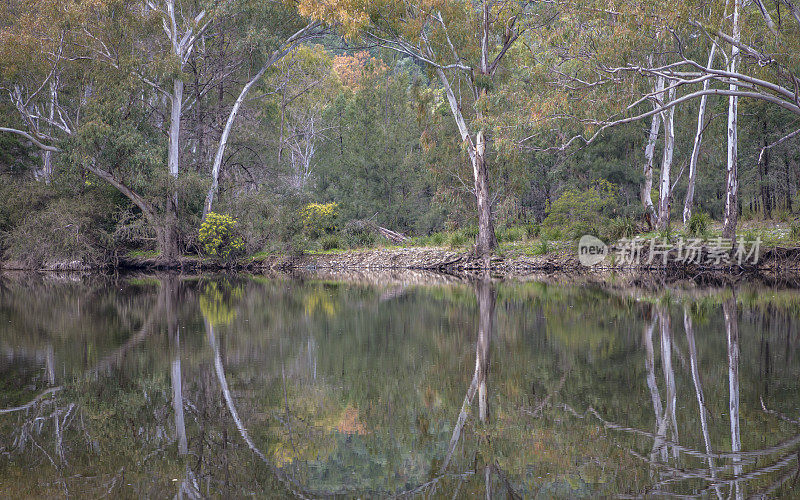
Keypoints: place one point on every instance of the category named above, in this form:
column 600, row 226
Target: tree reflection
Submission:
column 223, row 387
column 733, row 470
column 731, row 313
column 688, row 326
column 169, row 298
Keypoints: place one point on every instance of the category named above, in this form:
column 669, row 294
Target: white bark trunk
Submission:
column 649, row 154
column 698, row 140
column 652, row 385
column 671, row 393
column 732, row 179
column 665, row 184
column 292, row 42
column 223, row 141
column 47, row 157
column 175, row 126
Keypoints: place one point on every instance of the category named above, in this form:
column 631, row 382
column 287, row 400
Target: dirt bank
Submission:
column 775, row 265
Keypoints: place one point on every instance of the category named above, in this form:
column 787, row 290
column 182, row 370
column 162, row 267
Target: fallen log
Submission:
column 390, row 235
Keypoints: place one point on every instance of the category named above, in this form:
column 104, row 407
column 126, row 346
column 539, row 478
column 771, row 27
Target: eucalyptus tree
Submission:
column 47, row 94
column 467, row 45
column 140, row 54
column 301, row 89
column 289, row 34
column 761, row 61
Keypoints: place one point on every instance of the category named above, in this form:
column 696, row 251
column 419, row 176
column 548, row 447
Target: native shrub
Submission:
column 219, row 237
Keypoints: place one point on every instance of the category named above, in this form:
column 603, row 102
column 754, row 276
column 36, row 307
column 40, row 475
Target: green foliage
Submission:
column 582, row 212
column 437, row 239
column 699, row 223
column 358, row 235
column 622, row 227
column 784, row 215
column 533, row 230
column 794, row 231
column 459, row 239
column 63, row 232
column 330, row 242
column 511, row 234
column 219, row 237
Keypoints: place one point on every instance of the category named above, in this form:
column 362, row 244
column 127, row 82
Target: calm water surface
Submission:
column 241, row 386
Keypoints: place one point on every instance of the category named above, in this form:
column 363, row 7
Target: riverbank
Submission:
column 773, row 265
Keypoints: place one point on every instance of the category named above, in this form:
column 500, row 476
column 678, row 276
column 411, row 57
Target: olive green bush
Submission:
column 65, row 231
column 578, row 212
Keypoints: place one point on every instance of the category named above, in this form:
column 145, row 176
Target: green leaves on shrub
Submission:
column 581, row 212
column 699, row 223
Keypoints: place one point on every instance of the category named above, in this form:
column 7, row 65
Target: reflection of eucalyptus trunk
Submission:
column 486, row 296
column 669, row 416
column 698, row 390
column 289, row 482
column 731, row 313
column 50, row 365
column 649, row 363
column 169, row 284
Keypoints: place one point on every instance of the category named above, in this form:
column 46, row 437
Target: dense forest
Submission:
column 229, row 128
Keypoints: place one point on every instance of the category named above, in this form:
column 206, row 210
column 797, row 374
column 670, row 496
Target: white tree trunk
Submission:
column 649, row 153
column 226, row 132
column 177, row 406
column 175, row 126
column 665, row 184
column 47, row 158
column 658, row 409
column 732, row 179
column 292, row 42
column 671, row 392
column 698, row 139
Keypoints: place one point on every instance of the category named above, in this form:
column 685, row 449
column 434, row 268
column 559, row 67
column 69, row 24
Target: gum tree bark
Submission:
column 688, row 204
column 649, row 151
column 665, row 184
column 476, row 148
column 182, row 39
column 431, row 43
column 732, row 179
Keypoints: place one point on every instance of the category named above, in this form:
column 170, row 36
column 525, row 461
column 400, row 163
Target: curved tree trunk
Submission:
column 688, row 204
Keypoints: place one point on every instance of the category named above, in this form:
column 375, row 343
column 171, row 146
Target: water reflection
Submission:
column 248, row 386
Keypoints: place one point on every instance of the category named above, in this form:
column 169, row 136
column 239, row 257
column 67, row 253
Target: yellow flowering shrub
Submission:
column 319, row 218
column 219, row 237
